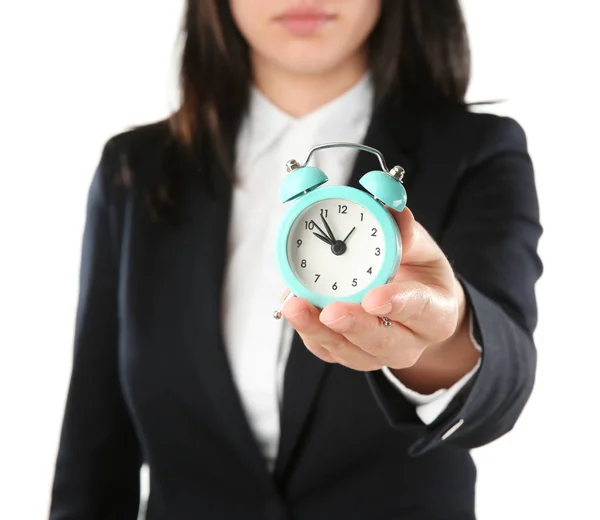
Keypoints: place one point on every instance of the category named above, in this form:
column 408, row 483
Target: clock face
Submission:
column 335, row 247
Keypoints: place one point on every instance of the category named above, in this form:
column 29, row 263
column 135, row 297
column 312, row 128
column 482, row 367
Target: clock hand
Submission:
column 349, row 234
column 329, row 232
column 324, row 239
column 323, row 234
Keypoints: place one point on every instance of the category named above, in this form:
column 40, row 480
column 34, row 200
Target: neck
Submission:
column 299, row 94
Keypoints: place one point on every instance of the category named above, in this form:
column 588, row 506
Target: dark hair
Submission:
column 419, row 54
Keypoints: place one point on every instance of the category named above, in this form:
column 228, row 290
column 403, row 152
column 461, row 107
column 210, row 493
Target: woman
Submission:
column 178, row 362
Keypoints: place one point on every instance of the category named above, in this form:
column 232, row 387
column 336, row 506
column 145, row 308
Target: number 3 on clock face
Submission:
column 335, row 244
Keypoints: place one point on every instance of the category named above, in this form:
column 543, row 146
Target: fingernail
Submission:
column 382, row 310
column 341, row 324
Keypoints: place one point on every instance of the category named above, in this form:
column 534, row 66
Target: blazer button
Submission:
column 453, row 428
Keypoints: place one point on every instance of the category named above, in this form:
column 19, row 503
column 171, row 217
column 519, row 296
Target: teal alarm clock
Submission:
column 335, row 243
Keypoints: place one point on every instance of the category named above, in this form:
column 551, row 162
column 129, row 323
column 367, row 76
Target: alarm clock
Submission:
column 336, row 243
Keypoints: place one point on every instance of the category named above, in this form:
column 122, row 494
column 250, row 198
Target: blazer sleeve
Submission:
column 98, row 464
column 490, row 237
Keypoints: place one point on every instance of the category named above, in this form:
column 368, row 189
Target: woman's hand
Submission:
column 428, row 344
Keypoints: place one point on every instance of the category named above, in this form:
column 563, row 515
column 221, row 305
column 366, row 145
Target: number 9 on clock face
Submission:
column 338, row 248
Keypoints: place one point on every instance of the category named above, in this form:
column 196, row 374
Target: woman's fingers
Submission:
column 394, row 346
column 354, row 335
column 429, row 312
column 322, row 341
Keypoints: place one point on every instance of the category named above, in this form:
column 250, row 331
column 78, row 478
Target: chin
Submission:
column 314, row 60
column 308, row 67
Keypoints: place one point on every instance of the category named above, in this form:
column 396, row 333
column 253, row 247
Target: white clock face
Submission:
column 336, row 247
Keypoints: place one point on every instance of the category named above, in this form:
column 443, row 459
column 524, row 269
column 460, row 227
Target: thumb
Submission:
column 418, row 247
column 405, row 220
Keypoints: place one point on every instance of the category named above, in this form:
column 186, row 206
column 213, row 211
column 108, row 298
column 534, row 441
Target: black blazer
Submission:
column 151, row 382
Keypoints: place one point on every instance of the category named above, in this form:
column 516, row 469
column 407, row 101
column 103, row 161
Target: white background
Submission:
column 75, row 72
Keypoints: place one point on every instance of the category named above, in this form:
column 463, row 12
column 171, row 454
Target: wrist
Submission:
column 443, row 364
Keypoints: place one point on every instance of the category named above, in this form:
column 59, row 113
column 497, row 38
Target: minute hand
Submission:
column 329, row 232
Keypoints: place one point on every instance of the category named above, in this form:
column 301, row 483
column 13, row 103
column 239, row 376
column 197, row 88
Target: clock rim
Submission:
column 391, row 233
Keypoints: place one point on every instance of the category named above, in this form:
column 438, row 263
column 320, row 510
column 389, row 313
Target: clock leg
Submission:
column 277, row 312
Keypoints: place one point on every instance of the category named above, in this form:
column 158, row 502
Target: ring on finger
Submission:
column 386, row 321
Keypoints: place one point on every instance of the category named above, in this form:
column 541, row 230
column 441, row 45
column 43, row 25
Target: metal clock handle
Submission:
column 397, row 172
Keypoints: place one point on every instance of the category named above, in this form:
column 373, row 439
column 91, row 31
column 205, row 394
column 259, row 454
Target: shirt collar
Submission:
column 265, row 123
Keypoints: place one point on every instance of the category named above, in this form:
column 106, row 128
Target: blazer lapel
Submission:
column 395, row 133
column 395, row 136
column 208, row 212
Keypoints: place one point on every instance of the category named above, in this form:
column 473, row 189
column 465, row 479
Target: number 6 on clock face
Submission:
column 335, row 244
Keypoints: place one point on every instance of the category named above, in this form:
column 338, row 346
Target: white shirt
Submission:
column 258, row 345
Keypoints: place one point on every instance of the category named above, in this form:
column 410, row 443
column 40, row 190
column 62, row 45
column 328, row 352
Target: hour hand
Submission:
column 321, row 237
